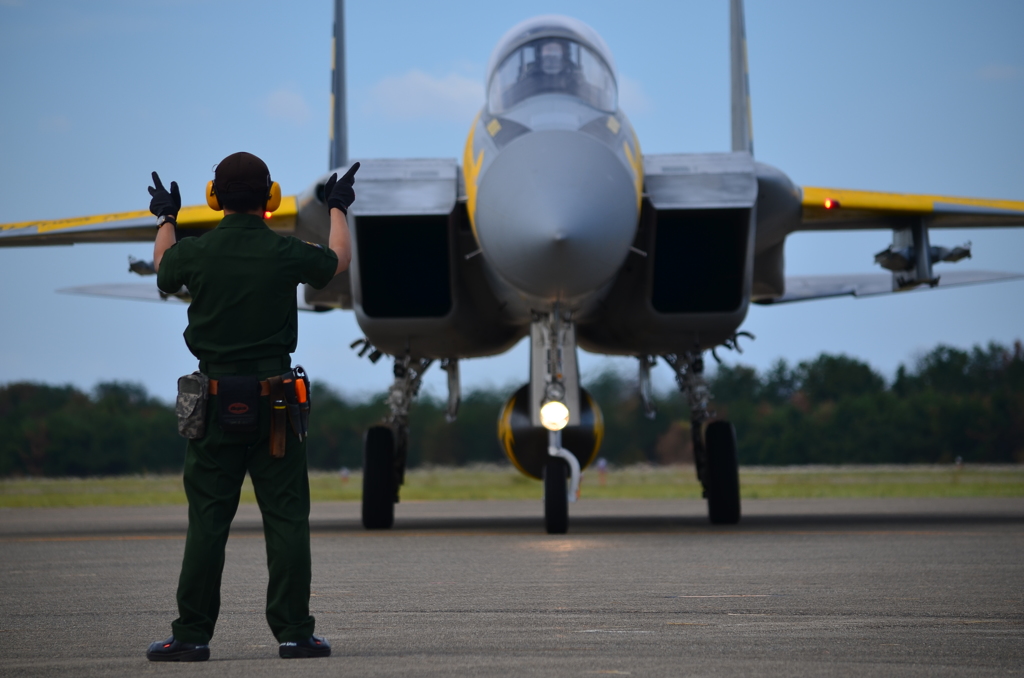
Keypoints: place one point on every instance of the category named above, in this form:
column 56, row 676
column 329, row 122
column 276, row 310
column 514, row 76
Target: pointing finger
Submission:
column 351, row 173
column 156, row 182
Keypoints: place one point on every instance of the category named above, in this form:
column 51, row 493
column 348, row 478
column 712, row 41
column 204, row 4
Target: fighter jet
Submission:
column 554, row 225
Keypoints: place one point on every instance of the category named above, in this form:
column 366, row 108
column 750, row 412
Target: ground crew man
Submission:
column 243, row 326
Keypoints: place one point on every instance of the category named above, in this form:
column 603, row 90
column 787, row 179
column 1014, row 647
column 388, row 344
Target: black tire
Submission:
column 722, row 474
column 556, row 501
column 379, row 478
column 401, row 456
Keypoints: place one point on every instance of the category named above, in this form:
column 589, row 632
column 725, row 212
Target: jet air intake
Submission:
column 556, row 213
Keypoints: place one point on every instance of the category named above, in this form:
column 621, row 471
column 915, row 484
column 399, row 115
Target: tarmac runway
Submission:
column 642, row 588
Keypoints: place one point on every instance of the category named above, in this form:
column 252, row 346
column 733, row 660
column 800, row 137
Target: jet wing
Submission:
column 835, row 209
column 413, row 186
column 150, row 292
column 805, row 287
column 135, row 291
column 127, row 226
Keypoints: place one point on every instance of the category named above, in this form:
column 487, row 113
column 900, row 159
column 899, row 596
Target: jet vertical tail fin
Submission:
column 742, row 124
column 339, row 120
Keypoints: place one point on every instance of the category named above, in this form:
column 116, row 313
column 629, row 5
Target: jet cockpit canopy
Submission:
column 551, row 54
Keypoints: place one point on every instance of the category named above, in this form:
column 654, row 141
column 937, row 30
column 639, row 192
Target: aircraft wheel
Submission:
column 556, row 502
column 379, row 478
column 722, row 473
column 401, row 456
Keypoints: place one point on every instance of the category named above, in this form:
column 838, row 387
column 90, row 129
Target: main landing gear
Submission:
column 721, row 473
column 714, row 442
column 385, row 449
column 379, row 487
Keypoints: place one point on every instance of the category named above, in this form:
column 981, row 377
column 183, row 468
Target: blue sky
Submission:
column 894, row 95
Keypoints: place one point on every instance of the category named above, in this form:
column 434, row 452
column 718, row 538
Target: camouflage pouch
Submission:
column 193, row 393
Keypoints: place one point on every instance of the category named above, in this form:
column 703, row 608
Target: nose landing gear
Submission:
column 561, row 466
column 554, row 379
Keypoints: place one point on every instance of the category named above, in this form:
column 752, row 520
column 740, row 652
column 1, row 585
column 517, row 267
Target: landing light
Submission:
column 554, row 416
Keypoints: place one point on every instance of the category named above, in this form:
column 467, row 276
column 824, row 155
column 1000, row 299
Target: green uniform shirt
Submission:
column 242, row 277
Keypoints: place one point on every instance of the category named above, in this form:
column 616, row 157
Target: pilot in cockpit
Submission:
column 552, row 59
column 553, row 70
column 554, row 65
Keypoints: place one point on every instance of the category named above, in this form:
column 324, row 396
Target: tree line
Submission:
column 830, row 410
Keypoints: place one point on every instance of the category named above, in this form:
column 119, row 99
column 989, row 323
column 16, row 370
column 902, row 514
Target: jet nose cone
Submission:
column 556, row 213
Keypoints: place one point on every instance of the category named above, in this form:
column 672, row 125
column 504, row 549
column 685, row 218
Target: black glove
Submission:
column 164, row 203
column 339, row 192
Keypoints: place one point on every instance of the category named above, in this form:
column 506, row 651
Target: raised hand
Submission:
column 339, row 192
column 162, row 202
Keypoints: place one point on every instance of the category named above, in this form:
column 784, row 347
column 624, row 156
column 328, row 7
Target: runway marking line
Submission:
column 587, row 535
column 134, row 537
column 731, row 595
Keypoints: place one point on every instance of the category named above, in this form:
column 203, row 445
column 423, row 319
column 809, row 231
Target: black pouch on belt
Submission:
column 239, row 404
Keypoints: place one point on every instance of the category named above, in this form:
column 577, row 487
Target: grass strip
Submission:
column 495, row 482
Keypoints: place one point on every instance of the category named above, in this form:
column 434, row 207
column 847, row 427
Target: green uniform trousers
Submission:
column 215, row 467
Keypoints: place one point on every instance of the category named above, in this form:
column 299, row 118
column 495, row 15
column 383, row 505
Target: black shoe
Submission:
column 314, row 646
column 172, row 650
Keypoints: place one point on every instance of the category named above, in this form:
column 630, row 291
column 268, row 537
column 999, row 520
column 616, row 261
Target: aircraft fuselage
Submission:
column 553, row 194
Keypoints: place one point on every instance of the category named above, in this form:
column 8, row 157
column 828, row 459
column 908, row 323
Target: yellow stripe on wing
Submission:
column 820, row 201
column 60, row 224
column 192, row 217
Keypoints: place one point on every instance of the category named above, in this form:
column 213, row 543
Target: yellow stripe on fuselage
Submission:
column 636, row 162
column 471, row 172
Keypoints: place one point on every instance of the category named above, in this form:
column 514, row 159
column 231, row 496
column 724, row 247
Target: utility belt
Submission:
column 238, row 410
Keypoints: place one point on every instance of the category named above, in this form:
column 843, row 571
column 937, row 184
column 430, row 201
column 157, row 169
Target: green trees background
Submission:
column 830, row 410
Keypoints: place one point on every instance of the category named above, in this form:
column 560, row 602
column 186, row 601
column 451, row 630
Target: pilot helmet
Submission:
column 552, row 57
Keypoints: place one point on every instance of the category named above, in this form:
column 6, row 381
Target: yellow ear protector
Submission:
column 273, row 197
column 211, row 197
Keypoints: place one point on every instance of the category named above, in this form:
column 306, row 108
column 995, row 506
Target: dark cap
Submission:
column 241, row 173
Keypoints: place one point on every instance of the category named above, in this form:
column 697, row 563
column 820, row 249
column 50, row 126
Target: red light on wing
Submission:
column 831, row 204
column 266, row 215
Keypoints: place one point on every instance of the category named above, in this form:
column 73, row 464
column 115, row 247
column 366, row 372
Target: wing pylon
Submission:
column 807, row 287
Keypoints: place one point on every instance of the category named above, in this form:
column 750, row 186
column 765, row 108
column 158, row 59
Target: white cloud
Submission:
column 286, row 104
column 1000, row 72
column 417, row 94
column 632, row 98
